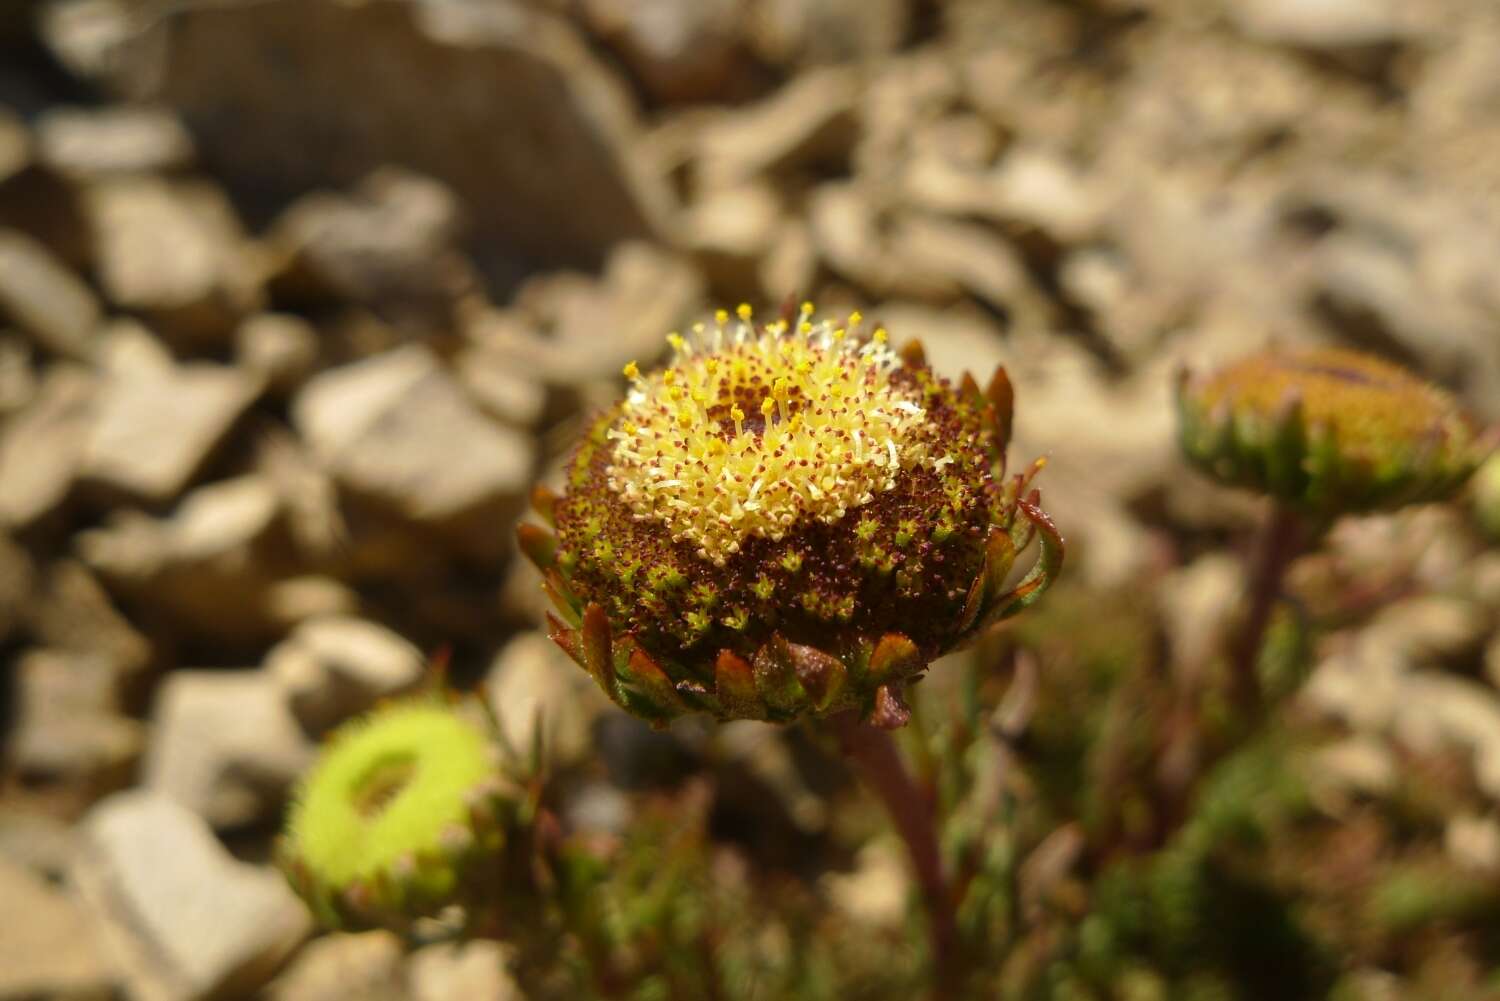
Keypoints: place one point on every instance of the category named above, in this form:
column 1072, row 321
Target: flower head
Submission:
column 789, row 518
column 404, row 808
column 1328, row 431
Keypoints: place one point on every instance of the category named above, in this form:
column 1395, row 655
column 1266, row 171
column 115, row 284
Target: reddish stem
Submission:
column 874, row 754
column 1281, row 541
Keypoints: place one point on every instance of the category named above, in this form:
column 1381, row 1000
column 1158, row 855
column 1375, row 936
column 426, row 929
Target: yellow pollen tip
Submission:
column 721, row 316
column 827, row 402
column 856, row 318
column 881, row 336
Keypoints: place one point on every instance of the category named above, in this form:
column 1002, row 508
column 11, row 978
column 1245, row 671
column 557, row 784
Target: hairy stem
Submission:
column 874, row 755
column 1281, row 541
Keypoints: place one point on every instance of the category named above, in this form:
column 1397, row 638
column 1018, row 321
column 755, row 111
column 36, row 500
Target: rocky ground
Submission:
column 298, row 298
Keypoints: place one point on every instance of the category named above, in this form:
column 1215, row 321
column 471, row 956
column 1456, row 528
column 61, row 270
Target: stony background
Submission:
column 299, row 297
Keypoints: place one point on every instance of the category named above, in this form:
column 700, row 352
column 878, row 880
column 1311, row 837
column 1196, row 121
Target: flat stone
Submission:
column 279, row 348
column 502, row 392
column 225, row 745
column 472, row 971
column 811, row 120
column 388, row 245
column 153, row 431
column 529, row 685
column 47, row 951
column 70, row 611
column 183, row 920
column 1320, row 24
column 362, row 967
column 333, row 668
column 533, row 136
column 18, row 380
column 68, row 724
column 679, row 50
column 172, row 252
column 39, row 842
column 15, row 145
column 398, row 428
column 44, row 299
column 43, row 447
column 206, row 568
column 567, row 330
column 87, row 142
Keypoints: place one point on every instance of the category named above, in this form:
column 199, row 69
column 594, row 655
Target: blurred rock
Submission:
column 47, row 951
column 307, row 495
column 1369, row 687
column 87, row 142
column 173, row 253
column 851, row 233
column 787, row 32
column 808, row 123
column 507, row 395
column 1431, row 627
column 567, row 329
column 875, row 893
column 1359, row 765
column 224, row 745
column 44, row 300
column 729, row 230
column 389, row 245
column 88, row 37
column 397, row 428
column 182, row 919
column 473, row 971
column 206, row 568
column 1473, row 843
column 43, row 447
column 69, row 730
column 1320, row 24
column 17, row 580
column 1197, row 604
column 363, row 967
column 154, row 429
column 37, row 842
column 530, row 685
column 331, row 669
column 790, row 266
column 71, row 611
column 280, row 349
column 18, row 380
column 679, row 50
column 297, row 599
column 15, row 145
column 532, row 134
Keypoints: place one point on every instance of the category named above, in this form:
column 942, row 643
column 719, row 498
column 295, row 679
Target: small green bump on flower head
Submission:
column 764, row 587
column 791, row 562
column 374, row 821
column 1328, row 431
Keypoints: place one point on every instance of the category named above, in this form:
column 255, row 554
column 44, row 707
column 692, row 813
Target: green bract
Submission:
column 789, row 519
column 1327, row 431
column 400, row 805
